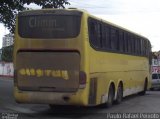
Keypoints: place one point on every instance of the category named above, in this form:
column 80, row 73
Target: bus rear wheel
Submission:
column 119, row 94
column 110, row 96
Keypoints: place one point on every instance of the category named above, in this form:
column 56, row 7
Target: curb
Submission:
column 7, row 77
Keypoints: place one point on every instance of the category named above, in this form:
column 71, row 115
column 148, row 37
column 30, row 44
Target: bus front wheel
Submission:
column 145, row 88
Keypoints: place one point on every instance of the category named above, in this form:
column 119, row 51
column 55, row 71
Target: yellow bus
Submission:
column 69, row 57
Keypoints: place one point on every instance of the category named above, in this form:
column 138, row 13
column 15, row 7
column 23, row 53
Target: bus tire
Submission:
column 110, row 96
column 152, row 89
column 53, row 106
column 119, row 94
column 145, row 88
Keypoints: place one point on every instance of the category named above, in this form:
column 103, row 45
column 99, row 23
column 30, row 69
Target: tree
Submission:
column 10, row 8
column 7, row 53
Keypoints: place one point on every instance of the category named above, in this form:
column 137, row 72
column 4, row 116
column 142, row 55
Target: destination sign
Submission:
column 49, row 26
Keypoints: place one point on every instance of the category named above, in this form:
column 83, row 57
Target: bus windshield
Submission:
column 48, row 26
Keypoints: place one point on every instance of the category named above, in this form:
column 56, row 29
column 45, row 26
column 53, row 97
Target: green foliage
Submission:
column 7, row 54
column 9, row 9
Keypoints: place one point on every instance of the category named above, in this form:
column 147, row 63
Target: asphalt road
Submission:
column 133, row 105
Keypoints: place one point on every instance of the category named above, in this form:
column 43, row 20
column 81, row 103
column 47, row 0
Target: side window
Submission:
column 136, row 46
column 114, row 39
column 121, row 41
column 108, row 36
column 104, row 44
column 126, row 42
column 145, row 47
column 129, row 43
column 133, row 44
column 148, row 48
column 139, row 46
column 94, row 33
column 118, row 40
column 98, row 35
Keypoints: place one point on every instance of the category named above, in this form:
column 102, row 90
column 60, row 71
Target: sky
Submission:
column 140, row 16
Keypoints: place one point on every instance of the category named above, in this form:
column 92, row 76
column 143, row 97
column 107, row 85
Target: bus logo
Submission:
column 37, row 23
column 41, row 72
